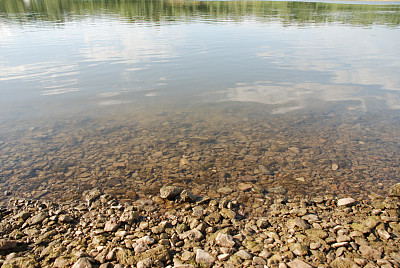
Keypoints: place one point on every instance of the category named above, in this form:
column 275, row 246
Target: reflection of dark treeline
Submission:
column 155, row 10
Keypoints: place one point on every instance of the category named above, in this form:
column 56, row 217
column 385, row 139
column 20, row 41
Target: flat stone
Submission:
column 245, row 186
column 225, row 240
column 370, row 253
column 244, row 255
column 146, row 240
column 346, row 202
column 297, row 263
column 38, row 218
column 225, row 190
column 342, row 263
column 204, row 258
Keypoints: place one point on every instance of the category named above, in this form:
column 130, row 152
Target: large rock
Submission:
column 170, row 192
column 395, row 190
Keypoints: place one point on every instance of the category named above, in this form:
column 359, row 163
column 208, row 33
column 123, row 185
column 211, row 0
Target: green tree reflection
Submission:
column 155, row 11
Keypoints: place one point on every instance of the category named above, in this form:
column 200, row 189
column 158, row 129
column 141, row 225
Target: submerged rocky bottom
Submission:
column 211, row 150
column 178, row 229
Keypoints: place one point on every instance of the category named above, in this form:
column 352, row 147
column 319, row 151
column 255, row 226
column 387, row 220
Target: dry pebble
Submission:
column 110, row 233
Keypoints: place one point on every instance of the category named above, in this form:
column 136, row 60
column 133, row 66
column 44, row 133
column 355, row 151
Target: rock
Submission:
column 146, row 240
column 225, row 190
column 227, row 213
column 159, row 253
column 65, row 218
column 258, row 261
column 298, row 249
column 82, row 263
column 278, row 190
column 225, row 240
column 395, row 190
column 170, row 192
column 146, row 263
column 129, row 217
column 342, row 263
column 383, row 234
column 6, row 244
column 223, row 257
column 335, row 167
column 370, row 253
column 245, row 186
column 24, row 215
column 204, row 258
column 194, row 234
column 297, row 263
column 111, row 226
column 91, row 195
column 262, row 223
column 20, row 262
column 346, row 202
column 38, row 218
column 244, row 255
column 187, row 196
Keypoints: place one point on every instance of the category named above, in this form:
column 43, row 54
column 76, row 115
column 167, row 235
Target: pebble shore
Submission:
column 178, row 229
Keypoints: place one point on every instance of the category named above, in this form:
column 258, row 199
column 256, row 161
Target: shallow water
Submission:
column 130, row 95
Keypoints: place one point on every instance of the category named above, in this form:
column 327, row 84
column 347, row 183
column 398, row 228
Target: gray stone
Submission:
column 38, row 218
column 204, row 258
column 129, row 217
column 111, row 226
column 170, row 192
column 194, row 234
column 244, row 255
column 146, row 240
column 225, row 240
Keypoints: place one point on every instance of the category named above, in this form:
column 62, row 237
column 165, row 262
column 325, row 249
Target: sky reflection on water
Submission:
column 100, row 57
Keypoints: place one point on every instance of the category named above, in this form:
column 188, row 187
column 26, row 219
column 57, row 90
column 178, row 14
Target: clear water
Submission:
column 225, row 71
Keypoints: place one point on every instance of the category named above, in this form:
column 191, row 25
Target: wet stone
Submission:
column 346, row 202
column 170, row 192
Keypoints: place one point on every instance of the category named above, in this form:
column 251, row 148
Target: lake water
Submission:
column 300, row 98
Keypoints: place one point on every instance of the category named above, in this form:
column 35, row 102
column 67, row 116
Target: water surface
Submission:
column 129, row 95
